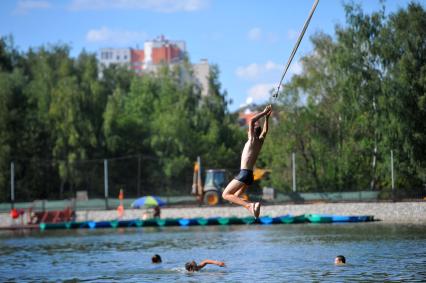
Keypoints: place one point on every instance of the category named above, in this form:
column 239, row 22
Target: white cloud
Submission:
column 270, row 71
column 25, row 6
column 115, row 36
column 162, row 6
column 254, row 34
column 260, row 92
column 270, row 66
column 248, row 72
column 254, row 70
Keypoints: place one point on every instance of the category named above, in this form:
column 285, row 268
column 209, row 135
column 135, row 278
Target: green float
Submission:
column 223, row 221
column 317, row 218
column 167, row 222
column 248, row 220
column 114, row 223
column 202, row 221
column 300, row 219
column 138, row 223
column 290, row 219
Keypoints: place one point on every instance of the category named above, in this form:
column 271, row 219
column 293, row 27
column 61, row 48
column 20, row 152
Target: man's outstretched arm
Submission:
column 209, row 261
column 257, row 117
column 265, row 125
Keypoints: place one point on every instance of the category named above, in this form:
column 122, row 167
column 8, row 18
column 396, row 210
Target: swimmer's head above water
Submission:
column 191, row 266
column 156, row 258
column 340, row 260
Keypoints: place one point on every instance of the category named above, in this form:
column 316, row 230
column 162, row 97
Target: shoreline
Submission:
column 387, row 212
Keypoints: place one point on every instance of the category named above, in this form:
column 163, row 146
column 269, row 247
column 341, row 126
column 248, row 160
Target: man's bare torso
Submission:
column 250, row 152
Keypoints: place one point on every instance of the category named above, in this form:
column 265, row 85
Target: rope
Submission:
column 305, row 26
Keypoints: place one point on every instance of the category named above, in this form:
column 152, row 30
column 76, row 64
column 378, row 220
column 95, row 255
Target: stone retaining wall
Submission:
column 399, row 212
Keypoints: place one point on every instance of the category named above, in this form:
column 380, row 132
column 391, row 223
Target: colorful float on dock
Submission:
column 162, row 222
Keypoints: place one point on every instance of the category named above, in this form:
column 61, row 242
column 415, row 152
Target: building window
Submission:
column 118, row 57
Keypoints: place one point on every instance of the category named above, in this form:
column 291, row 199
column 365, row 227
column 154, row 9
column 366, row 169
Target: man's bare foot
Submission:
column 257, row 209
column 254, row 209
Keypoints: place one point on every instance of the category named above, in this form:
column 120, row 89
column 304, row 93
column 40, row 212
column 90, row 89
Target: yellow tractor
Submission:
column 215, row 182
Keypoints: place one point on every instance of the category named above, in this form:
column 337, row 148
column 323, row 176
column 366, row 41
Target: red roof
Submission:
column 244, row 118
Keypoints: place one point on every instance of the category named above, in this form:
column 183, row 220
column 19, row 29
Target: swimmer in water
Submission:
column 192, row 266
column 340, row 260
column 156, row 258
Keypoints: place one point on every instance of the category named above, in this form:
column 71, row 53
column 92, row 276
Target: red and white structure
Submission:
column 155, row 53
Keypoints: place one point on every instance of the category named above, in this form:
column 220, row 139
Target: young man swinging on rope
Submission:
column 256, row 137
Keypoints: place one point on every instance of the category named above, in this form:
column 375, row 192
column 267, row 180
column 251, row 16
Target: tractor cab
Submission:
column 215, row 182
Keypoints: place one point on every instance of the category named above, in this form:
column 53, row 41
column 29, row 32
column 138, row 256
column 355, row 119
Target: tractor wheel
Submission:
column 211, row 198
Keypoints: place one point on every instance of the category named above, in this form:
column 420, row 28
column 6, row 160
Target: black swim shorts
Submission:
column 245, row 176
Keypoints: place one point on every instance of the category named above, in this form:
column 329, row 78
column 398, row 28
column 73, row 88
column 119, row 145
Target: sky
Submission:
column 249, row 40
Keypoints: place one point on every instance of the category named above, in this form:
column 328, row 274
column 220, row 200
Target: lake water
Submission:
column 255, row 253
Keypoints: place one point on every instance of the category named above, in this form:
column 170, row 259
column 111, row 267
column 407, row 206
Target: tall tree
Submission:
column 348, row 108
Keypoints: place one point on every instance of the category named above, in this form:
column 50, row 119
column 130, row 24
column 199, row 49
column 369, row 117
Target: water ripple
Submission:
column 375, row 252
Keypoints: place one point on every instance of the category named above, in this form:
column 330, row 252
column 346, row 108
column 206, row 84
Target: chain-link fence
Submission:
column 96, row 184
column 92, row 183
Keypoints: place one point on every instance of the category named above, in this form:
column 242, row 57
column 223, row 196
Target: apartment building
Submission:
column 119, row 56
column 201, row 75
column 155, row 53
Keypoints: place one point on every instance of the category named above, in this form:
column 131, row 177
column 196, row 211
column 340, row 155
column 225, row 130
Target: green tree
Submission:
column 348, row 108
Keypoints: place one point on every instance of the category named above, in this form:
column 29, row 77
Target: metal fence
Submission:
column 95, row 184
column 93, row 179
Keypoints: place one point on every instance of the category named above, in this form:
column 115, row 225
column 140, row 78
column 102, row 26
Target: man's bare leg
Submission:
column 232, row 192
column 241, row 191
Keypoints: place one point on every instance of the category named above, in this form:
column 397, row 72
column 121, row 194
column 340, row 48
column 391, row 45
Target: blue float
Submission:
column 160, row 222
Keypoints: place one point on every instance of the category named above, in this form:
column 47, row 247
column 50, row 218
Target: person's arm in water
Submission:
column 265, row 125
column 256, row 118
column 209, row 261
